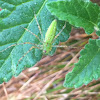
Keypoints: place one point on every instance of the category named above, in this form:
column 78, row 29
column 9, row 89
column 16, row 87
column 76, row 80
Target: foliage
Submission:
column 79, row 13
column 87, row 15
column 15, row 15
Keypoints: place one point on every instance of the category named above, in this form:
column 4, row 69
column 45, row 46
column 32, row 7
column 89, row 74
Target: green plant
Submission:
column 78, row 13
column 13, row 17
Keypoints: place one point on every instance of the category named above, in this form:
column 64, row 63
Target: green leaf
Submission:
column 88, row 67
column 98, row 42
column 79, row 13
column 17, row 13
column 98, row 29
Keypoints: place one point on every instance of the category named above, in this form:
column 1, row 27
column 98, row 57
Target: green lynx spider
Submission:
column 47, row 43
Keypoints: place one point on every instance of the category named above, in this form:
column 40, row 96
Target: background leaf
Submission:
column 18, row 13
column 80, row 13
column 88, row 67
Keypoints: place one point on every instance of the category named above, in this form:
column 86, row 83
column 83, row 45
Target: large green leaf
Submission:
column 88, row 67
column 17, row 13
column 80, row 13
